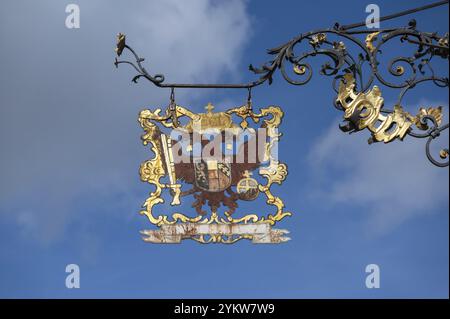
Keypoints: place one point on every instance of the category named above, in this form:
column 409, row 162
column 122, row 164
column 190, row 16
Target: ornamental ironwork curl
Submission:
column 355, row 74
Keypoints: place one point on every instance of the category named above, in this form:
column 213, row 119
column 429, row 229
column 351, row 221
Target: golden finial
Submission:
column 209, row 107
column 247, row 174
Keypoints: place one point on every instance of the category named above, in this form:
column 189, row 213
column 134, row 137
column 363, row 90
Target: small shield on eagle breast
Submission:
column 212, row 175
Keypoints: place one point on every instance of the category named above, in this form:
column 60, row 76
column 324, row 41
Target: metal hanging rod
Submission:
column 158, row 79
column 396, row 15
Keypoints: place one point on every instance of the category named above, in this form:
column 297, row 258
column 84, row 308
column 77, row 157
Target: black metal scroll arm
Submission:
column 137, row 65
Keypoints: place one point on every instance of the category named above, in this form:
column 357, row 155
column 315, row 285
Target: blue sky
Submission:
column 70, row 152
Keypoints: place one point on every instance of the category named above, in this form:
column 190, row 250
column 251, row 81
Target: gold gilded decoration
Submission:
column 339, row 46
column 370, row 38
column 120, row 44
column 443, row 41
column 434, row 112
column 318, row 39
column 212, row 180
column 247, row 187
column 399, row 70
column 209, row 120
column 364, row 110
column 299, row 69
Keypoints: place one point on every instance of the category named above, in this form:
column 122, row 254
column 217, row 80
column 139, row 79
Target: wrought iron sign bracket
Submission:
column 221, row 183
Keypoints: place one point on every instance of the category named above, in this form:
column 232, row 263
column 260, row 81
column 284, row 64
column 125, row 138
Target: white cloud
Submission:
column 389, row 183
column 194, row 41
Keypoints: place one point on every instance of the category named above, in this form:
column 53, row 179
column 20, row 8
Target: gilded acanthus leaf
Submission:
column 363, row 110
column 434, row 112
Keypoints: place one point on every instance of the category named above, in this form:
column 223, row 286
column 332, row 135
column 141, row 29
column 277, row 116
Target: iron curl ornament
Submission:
column 359, row 70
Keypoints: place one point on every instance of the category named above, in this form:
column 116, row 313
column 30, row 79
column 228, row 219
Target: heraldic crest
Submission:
column 216, row 159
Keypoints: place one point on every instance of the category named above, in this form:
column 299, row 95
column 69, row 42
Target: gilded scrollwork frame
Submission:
column 152, row 170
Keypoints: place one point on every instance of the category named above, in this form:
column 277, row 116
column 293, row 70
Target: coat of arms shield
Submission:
column 212, row 175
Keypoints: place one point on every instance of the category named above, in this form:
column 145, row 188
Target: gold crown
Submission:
column 210, row 121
